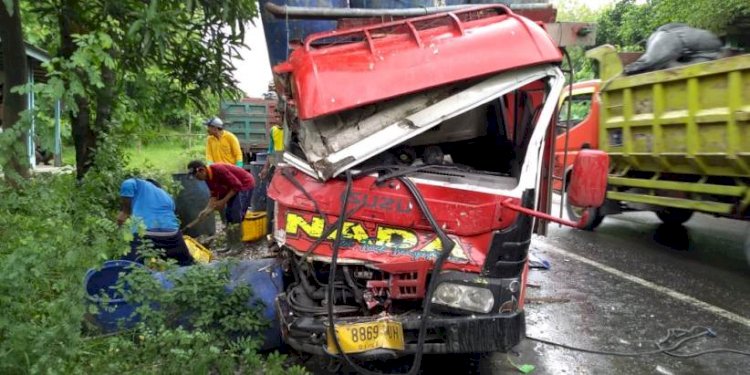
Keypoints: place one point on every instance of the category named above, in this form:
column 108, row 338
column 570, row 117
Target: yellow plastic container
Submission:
column 199, row 252
column 254, row 226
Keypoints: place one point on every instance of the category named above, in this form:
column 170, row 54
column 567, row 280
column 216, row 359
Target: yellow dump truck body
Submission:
column 678, row 137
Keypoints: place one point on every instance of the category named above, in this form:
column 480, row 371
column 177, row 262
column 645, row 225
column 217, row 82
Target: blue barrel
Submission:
column 100, row 292
column 193, row 198
column 279, row 32
column 261, row 156
column 264, row 276
column 259, row 199
column 255, row 168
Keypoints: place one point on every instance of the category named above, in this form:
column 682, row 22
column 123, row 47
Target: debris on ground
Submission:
column 538, row 263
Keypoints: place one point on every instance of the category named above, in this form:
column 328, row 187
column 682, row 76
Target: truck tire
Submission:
column 574, row 213
column 674, row 216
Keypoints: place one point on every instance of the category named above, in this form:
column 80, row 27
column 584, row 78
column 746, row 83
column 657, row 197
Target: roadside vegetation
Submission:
column 131, row 75
column 53, row 229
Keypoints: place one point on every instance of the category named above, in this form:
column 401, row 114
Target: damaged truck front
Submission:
column 417, row 159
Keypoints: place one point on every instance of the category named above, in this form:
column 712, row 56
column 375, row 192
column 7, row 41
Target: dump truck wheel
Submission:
column 674, row 216
column 574, row 213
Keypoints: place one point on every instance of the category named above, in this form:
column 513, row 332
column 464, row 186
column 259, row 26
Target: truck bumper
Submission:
column 445, row 334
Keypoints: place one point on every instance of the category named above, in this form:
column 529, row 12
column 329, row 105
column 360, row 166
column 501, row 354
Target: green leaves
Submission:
column 158, row 60
column 628, row 23
column 53, row 230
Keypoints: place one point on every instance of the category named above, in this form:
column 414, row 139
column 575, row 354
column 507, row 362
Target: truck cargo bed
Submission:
column 693, row 119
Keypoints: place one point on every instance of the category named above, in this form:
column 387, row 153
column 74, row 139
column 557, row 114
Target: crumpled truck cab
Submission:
column 412, row 136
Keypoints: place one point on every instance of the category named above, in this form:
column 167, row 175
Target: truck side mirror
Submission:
column 587, row 188
column 588, row 181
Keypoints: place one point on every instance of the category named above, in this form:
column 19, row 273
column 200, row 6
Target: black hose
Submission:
column 447, row 247
column 357, row 292
column 682, row 337
column 285, row 172
column 327, row 232
column 446, row 242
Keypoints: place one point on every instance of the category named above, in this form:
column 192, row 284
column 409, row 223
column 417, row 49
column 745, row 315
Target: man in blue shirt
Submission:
column 152, row 207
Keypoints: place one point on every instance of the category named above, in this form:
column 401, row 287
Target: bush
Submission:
column 53, row 229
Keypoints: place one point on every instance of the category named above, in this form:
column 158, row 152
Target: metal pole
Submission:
column 58, row 140
column 563, row 190
column 31, row 145
column 190, row 132
column 288, row 12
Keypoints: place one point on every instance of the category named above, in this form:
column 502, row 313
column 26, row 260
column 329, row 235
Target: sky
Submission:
column 254, row 71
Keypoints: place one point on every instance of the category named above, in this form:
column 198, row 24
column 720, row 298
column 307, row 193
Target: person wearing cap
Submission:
column 148, row 205
column 231, row 187
column 222, row 146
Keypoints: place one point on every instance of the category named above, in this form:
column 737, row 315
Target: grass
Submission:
column 169, row 157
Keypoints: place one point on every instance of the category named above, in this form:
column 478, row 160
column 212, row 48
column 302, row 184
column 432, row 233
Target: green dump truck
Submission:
column 678, row 139
column 249, row 119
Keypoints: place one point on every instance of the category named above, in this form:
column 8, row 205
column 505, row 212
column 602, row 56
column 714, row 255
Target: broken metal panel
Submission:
column 335, row 145
column 330, row 134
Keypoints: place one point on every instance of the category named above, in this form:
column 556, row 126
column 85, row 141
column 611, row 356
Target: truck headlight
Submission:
column 464, row 297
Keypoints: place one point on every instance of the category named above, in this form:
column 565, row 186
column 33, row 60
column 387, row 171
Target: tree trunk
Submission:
column 16, row 74
column 84, row 137
column 105, row 100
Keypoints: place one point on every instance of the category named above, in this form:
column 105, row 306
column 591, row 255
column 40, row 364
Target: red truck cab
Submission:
column 581, row 102
column 419, row 156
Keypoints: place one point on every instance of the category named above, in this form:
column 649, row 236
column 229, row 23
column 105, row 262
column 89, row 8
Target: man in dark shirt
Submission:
column 231, row 187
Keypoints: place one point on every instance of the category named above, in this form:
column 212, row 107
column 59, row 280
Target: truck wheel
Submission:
column 574, row 213
column 674, row 216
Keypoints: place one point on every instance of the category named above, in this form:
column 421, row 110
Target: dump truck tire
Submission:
column 674, row 216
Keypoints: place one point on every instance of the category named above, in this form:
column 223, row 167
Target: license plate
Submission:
column 361, row 337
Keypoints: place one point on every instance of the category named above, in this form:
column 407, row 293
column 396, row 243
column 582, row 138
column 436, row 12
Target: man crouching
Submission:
column 231, row 187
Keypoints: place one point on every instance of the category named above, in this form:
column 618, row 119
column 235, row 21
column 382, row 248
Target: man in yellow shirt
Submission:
column 222, row 146
column 275, row 149
column 275, row 154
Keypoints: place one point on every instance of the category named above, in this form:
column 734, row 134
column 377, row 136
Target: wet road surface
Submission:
column 693, row 275
column 620, row 288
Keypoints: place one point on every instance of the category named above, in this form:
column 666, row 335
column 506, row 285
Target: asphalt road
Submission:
column 621, row 288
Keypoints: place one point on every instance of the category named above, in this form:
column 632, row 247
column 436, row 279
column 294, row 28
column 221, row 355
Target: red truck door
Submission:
column 582, row 123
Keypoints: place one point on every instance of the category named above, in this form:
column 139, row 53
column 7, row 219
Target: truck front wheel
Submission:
column 674, row 216
column 574, row 213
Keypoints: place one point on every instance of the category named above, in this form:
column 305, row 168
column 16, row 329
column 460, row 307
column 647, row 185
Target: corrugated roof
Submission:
column 37, row 57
